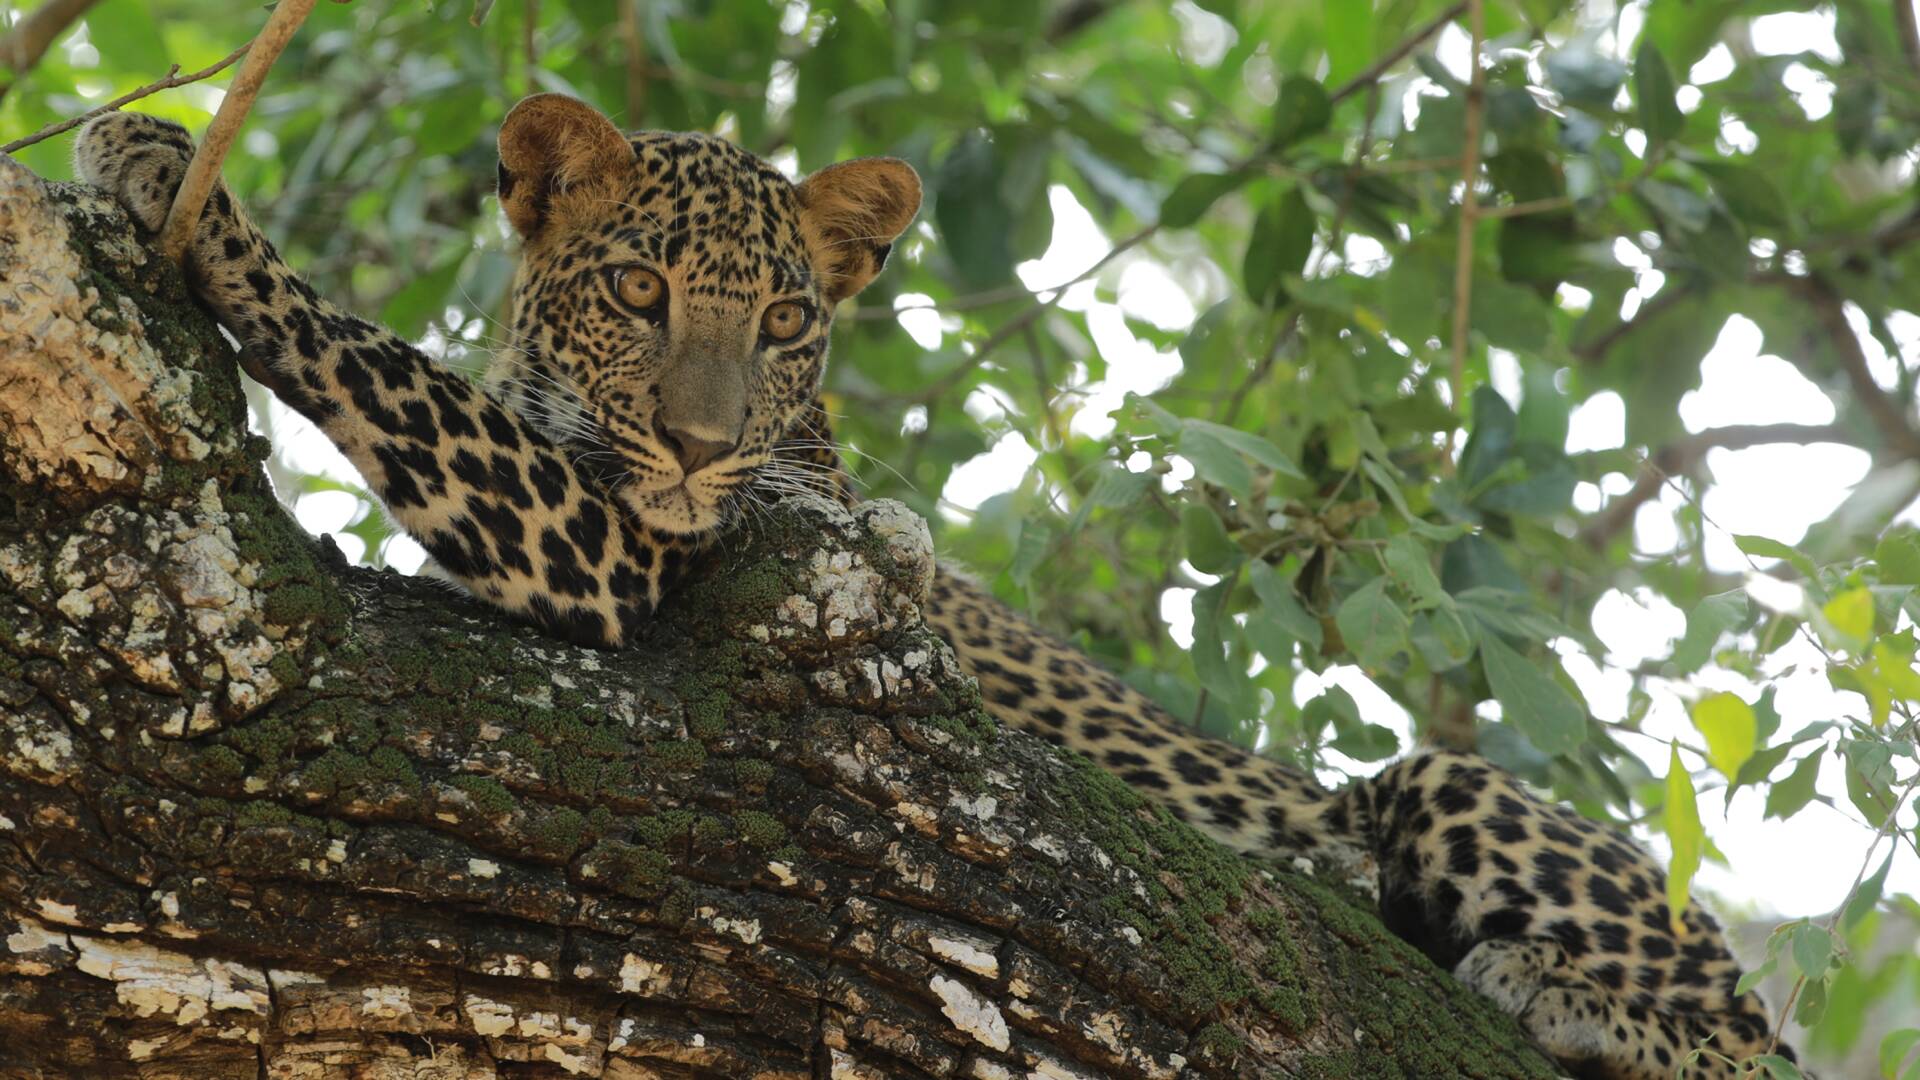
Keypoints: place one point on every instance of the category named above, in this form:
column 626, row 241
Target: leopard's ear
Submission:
column 850, row 214
column 551, row 144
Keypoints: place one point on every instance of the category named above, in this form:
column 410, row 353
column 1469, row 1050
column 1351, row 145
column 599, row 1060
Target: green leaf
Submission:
column 1894, row 1048
column 1585, row 76
column 1510, row 316
column 1851, row 614
column 1192, row 197
column 1036, row 539
column 1347, row 28
column 1224, row 675
column 1373, row 626
column 1117, row 489
column 1778, row 1068
column 1544, row 410
column 975, row 222
column 1812, row 949
column 128, row 37
column 1278, row 604
column 1689, row 840
column 1898, row 554
column 425, row 297
column 1215, row 461
column 1532, row 700
column 1680, row 208
column 1367, row 742
column 1411, row 565
column 1660, row 116
column 1755, row 976
column 1209, row 548
column 1869, row 771
column 1253, row 446
column 1302, row 111
column 1727, row 722
column 1281, row 241
column 1786, row 797
column 1813, row 1003
column 1867, row 896
column 1748, row 193
column 1763, row 548
column 1706, row 623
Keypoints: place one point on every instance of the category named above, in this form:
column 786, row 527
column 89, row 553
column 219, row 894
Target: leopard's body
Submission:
column 670, row 332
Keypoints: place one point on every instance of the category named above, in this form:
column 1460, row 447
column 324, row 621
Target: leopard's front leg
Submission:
column 496, row 503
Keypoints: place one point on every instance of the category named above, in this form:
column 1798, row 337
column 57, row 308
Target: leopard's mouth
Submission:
column 683, row 510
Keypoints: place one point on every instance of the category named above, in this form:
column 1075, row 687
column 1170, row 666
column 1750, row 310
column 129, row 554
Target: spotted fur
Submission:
column 609, row 443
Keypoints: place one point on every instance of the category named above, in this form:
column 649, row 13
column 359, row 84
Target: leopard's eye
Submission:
column 785, row 321
column 638, row 288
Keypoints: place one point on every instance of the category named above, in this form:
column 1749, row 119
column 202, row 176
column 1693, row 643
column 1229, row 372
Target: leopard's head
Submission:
column 672, row 307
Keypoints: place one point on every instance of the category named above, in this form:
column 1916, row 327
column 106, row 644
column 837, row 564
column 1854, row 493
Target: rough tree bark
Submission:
column 262, row 814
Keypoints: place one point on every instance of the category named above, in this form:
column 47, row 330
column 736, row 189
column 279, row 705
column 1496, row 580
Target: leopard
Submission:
column 669, row 327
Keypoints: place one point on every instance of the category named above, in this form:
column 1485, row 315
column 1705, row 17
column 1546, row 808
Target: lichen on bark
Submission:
column 265, row 814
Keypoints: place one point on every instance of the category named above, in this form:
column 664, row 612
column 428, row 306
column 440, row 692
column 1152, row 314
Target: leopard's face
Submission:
column 674, row 300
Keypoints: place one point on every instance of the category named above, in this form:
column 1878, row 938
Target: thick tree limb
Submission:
column 265, row 815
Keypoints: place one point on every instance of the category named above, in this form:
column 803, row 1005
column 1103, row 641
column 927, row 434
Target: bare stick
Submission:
column 24, row 45
column 1469, row 209
column 172, row 80
column 1001, row 295
column 204, row 171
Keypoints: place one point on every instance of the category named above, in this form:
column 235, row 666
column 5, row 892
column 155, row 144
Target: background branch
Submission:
column 24, row 45
column 1681, row 457
column 171, row 80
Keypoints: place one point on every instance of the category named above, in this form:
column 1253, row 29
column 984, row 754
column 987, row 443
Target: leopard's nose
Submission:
column 693, row 452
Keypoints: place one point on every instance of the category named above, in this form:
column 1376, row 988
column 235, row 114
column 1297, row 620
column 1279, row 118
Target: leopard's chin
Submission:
column 674, row 511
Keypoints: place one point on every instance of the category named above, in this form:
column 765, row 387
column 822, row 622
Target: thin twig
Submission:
column 1375, row 70
column 204, row 171
column 1043, row 386
column 1596, row 350
column 1001, row 295
column 1531, row 206
column 1281, row 335
column 173, row 79
column 1469, row 210
column 1009, row 330
column 24, row 45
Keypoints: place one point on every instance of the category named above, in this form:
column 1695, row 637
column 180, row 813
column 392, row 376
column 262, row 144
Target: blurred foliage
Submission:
column 1308, row 474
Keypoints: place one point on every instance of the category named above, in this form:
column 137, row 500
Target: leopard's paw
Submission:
column 1532, row 979
column 136, row 158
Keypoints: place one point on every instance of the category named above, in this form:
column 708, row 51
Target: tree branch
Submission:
column 204, row 170
column 173, row 78
column 1889, row 415
column 269, row 815
column 1372, row 73
column 1469, row 214
column 1682, row 456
